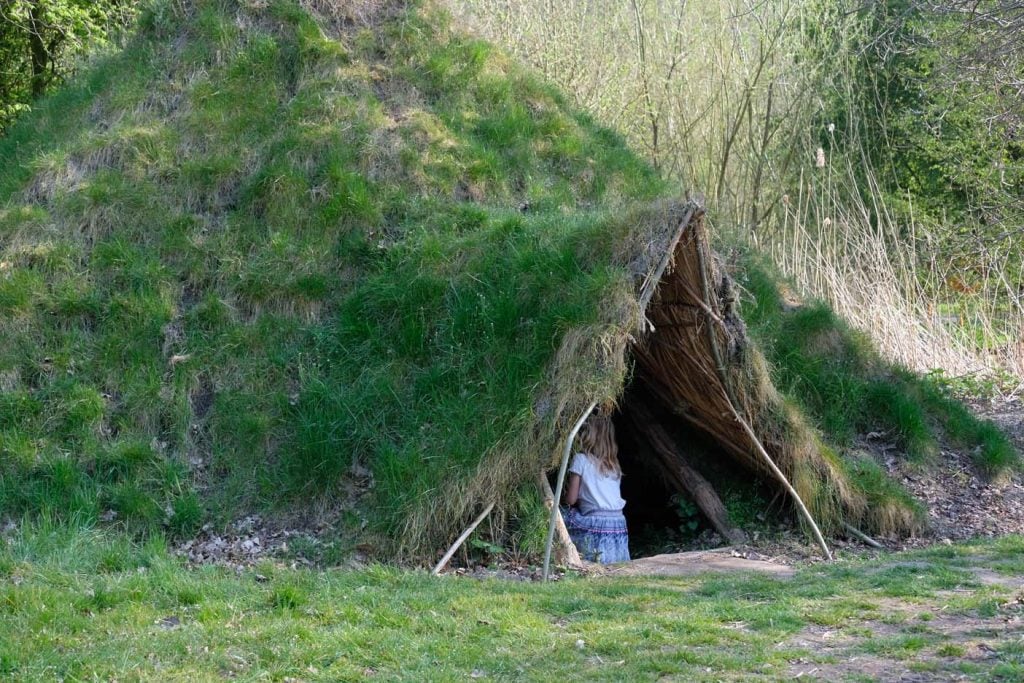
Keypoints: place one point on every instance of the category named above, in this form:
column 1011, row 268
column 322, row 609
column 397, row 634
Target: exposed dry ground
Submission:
column 961, row 504
column 906, row 640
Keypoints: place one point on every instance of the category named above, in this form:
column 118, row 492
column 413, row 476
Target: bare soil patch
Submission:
column 952, row 645
column 961, row 503
column 698, row 562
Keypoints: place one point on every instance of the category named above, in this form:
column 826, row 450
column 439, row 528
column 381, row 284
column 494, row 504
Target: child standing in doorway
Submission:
column 594, row 519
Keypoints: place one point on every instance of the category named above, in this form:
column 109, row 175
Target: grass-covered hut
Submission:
column 340, row 257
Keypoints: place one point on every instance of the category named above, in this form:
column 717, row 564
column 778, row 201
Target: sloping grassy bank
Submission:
column 256, row 248
column 834, row 373
column 87, row 605
column 263, row 248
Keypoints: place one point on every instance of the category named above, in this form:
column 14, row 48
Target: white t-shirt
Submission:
column 597, row 491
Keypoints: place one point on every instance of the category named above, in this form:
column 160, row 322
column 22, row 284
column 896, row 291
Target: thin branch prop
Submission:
column 460, row 540
column 561, row 482
column 861, row 536
column 758, row 447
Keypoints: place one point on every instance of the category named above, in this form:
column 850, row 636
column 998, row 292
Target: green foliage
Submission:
column 488, row 548
column 928, row 102
column 65, row 590
column 688, row 513
column 42, row 41
column 251, row 251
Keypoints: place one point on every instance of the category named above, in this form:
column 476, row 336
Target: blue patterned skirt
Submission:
column 600, row 536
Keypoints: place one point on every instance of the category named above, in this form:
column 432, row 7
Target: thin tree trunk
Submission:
column 37, row 46
column 652, row 115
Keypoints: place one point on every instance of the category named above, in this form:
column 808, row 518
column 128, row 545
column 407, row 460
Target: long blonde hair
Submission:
column 597, row 439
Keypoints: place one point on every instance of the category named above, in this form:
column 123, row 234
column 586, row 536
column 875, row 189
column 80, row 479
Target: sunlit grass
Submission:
column 87, row 604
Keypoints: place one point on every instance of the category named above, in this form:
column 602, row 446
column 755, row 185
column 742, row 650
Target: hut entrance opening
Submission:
column 679, row 443
column 683, row 421
column 672, row 472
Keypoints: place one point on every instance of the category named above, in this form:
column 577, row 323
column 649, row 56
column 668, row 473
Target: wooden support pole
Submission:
column 555, row 512
column 863, row 537
column 568, row 553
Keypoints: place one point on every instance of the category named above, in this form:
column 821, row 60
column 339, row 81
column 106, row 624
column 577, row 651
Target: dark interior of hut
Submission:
column 661, row 512
column 660, row 517
column 682, row 490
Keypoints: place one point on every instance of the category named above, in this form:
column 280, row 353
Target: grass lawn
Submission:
column 87, row 605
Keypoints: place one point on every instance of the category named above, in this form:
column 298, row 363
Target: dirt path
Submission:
column 698, row 562
column 921, row 640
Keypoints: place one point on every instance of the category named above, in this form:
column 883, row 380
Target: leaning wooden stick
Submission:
column 558, row 486
column 569, row 554
column 679, row 472
column 460, row 540
column 863, row 537
column 767, row 459
column 733, row 407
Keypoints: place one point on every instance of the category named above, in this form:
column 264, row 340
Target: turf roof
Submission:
column 289, row 254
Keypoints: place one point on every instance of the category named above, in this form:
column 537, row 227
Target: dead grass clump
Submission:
column 58, row 176
column 815, row 472
column 340, row 17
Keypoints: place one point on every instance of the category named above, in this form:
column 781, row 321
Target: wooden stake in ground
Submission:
column 555, row 512
column 568, row 554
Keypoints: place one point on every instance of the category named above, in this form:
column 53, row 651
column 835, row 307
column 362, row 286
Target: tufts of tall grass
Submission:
column 844, row 246
column 840, row 379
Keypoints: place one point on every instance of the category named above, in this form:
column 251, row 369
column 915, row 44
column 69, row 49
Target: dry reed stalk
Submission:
column 871, row 277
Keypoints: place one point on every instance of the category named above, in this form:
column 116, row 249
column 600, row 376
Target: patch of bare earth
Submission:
column 961, row 503
column 958, row 645
column 299, row 537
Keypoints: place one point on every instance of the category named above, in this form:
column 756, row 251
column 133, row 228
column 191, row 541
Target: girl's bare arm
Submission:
column 572, row 491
